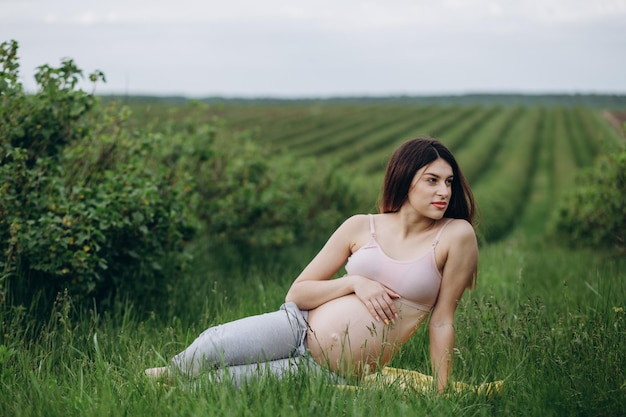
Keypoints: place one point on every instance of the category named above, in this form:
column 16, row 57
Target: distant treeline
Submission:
column 612, row 101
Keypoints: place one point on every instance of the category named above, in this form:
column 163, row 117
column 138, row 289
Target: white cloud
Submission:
column 327, row 46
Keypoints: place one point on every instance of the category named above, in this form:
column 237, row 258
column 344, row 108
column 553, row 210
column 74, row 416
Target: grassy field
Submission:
column 546, row 319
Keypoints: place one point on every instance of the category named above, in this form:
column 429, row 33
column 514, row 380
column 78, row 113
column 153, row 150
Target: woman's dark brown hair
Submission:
column 407, row 160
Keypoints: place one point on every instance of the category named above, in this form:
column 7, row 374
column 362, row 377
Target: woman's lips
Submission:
column 440, row 205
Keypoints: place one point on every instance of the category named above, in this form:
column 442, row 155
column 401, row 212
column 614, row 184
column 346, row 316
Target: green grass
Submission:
column 548, row 320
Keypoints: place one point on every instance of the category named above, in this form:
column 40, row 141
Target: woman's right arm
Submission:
column 314, row 286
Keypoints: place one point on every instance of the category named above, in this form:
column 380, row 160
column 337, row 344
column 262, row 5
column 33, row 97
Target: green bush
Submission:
column 86, row 206
column 44, row 124
column 593, row 214
column 250, row 199
column 92, row 207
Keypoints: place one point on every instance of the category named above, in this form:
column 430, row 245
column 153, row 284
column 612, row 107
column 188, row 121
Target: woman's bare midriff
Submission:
column 345, row 337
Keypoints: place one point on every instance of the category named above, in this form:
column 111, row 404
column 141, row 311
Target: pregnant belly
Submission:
column 344, row 336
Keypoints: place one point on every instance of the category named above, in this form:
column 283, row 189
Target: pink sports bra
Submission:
column 417, row 281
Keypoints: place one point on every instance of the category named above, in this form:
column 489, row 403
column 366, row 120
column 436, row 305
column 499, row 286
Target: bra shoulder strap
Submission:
column 372, row 230
column 441, row 231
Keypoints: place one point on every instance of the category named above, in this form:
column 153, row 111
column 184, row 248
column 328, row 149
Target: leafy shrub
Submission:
column 42, row 125
column 251, row 199
column 594, row 213
column 85, row 204
column 92, row 207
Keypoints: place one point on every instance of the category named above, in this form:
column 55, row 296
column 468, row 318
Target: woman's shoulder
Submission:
column 371, row 220
column 461, row 248
column 459, row 229
column 458, row 224
column 356, row 220
column 354, row 224
column 353, row 232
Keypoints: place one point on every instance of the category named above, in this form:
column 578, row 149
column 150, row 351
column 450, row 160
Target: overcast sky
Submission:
column 325, row 48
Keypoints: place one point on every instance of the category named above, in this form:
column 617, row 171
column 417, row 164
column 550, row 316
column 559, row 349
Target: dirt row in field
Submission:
column 617, row 120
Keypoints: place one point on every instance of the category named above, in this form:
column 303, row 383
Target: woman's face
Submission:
column 431, row 189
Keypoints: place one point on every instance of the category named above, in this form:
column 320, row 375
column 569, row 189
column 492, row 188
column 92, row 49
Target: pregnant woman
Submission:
column 414, row 259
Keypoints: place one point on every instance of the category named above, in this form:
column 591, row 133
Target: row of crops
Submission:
column 499, row 148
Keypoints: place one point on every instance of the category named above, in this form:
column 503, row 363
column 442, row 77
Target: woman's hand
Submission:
column 377, row 298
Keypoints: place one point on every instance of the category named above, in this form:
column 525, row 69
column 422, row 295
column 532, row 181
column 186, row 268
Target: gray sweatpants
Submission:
column 273, row 343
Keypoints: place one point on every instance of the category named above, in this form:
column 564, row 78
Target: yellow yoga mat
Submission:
column 404, row 378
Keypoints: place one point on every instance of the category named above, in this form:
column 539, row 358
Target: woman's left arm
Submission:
column 458, row 273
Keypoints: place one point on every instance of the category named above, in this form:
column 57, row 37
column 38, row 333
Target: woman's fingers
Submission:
column 378, row 299
column 372, row 309
column 392, row 294
column 385, row 309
